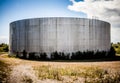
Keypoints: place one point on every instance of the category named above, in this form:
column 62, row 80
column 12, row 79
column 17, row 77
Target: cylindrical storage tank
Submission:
column 61, row 34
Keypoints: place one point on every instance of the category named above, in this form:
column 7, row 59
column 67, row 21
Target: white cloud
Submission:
column 107, row 10
column 115, row 34
column 4, row 39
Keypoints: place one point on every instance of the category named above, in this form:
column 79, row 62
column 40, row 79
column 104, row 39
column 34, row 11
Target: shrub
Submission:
column 31, row 55
column 88, row 55
column 112, row 52
column 4, row 47
column 55, row 55
column 43, row 56
column 24, row 54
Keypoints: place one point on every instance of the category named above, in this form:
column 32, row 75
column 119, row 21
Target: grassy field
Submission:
column 15, row 70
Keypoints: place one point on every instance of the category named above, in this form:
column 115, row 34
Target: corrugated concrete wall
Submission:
column 59, row 34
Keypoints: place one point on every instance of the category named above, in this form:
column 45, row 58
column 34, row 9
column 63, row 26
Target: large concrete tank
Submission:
column 61, row 34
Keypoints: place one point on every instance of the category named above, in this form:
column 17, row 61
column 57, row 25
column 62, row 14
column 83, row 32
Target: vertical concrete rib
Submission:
column 56, row 33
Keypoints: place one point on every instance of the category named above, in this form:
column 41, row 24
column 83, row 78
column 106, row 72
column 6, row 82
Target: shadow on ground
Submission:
column 116, row 58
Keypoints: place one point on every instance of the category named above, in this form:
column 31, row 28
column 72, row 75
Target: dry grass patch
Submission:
column 26, row 71
column 4, row 72
column 89, row 74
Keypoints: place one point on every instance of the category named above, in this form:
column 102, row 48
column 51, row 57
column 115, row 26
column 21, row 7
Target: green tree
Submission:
column 4, row 47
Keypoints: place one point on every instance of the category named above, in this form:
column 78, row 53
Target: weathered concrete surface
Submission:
column 59, row 34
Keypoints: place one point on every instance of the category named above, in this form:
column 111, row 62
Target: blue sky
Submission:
column 11, row 10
